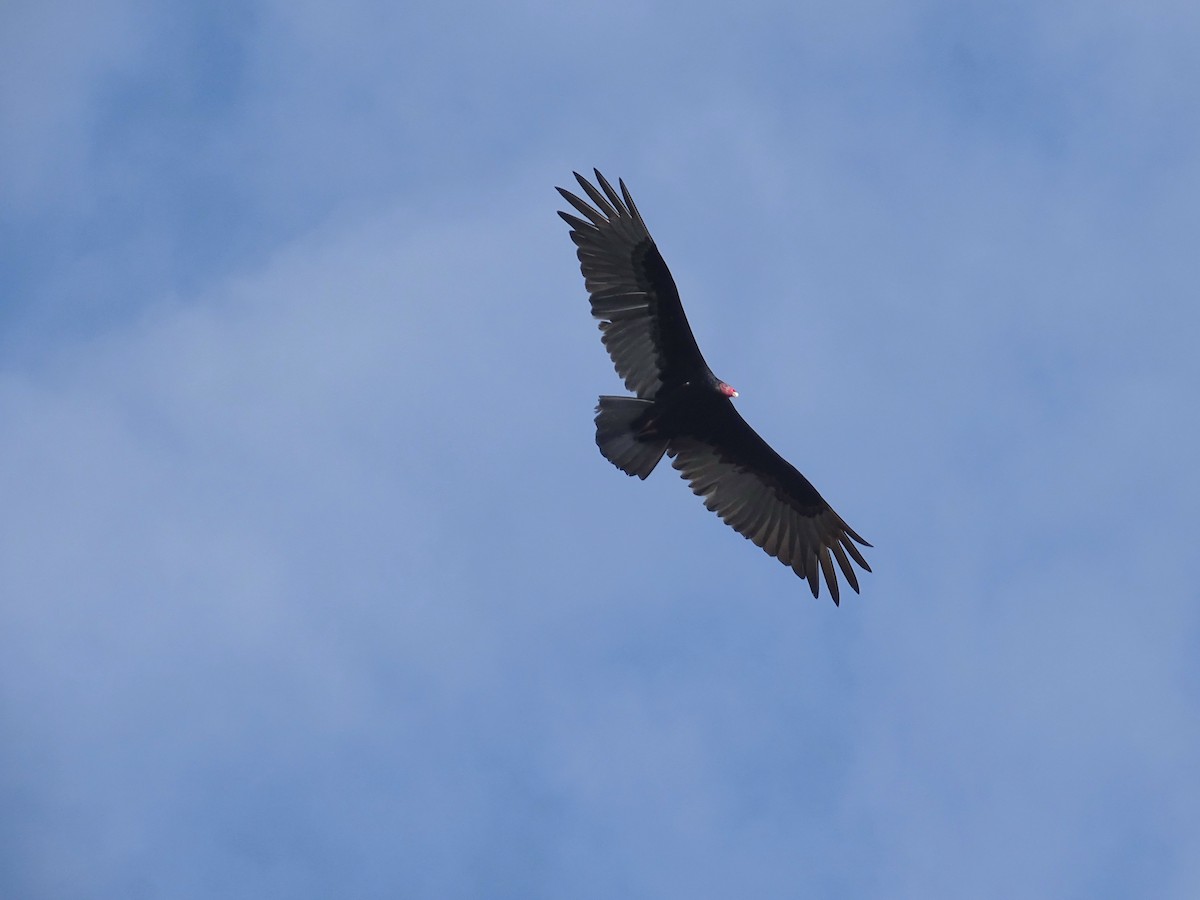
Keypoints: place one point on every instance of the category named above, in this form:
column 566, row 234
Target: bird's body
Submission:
column 682, row 410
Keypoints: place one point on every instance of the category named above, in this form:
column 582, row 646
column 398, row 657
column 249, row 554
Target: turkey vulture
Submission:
column 682, row 409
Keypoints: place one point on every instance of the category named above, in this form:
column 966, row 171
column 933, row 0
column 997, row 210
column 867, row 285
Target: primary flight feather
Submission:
column 684, row 411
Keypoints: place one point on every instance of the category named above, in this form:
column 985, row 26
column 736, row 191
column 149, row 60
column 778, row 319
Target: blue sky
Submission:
column 312, row 582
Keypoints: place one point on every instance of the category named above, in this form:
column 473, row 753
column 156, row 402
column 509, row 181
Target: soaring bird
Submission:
column 684, row 411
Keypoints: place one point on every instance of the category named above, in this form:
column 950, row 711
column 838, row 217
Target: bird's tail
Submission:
column 624, row 436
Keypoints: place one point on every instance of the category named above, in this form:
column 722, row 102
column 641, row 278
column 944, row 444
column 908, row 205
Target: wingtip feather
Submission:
column 830, row 575
column 613, row 197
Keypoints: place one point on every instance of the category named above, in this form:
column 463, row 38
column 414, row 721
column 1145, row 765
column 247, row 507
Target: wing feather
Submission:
column 628, row 281
column 762, row 497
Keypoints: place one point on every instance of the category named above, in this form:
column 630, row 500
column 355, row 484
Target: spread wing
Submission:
column 632, row 291
column 761, row 496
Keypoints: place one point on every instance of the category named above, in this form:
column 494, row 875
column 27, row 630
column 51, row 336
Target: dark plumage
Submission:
column 682, row 409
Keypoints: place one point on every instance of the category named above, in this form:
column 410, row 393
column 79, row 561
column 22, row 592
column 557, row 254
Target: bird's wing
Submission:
column 762, row 497
column 632, row 291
